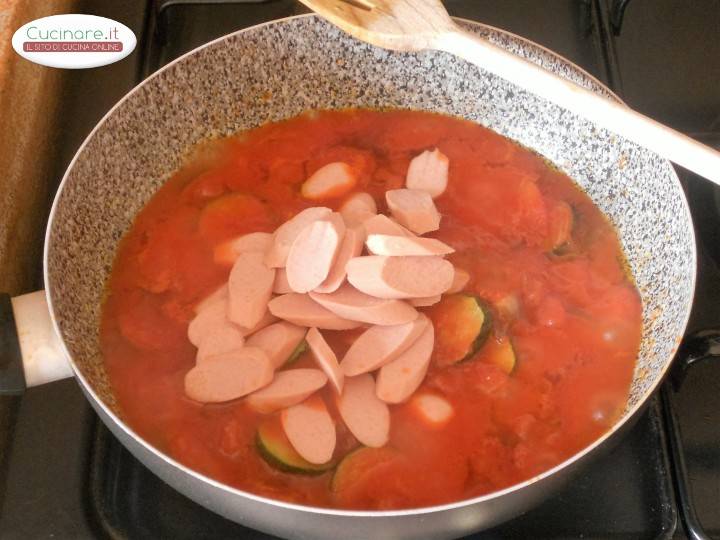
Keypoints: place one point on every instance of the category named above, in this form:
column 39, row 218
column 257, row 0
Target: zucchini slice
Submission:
column 296, row 354
column 357, row 464
column 462, row 326
column 501, row 354
column 275, row 448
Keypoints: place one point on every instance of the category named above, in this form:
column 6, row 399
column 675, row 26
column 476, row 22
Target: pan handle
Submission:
column 700, row 346
column 31, row 353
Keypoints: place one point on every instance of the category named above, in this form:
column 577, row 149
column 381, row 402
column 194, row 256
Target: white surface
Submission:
column 43, row 358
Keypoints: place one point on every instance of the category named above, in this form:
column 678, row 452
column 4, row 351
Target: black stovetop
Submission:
column 64, row 475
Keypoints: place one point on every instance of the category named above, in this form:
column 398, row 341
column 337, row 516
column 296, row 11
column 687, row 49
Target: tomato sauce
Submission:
column 571, row 312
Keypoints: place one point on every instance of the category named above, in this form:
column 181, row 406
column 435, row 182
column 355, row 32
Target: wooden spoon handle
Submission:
column 609, row 114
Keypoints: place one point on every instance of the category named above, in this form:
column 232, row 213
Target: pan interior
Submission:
column 279, row 70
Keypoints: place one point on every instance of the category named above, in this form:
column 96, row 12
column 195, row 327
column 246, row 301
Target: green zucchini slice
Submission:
column 355, row 465
column 501, row 354
column 296, row 354
column 462, row 326
column 275, row 448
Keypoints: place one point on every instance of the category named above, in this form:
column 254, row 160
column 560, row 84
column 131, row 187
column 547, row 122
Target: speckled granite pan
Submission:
column 278, row 70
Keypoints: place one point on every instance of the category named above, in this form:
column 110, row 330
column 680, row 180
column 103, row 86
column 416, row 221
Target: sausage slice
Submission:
column 366, row 416
column 358, row 208
column 211, row 316
column 349, row 303
column 281, row 285
column 413, row 209
column 227, row 252
column 278, row 341
column 400, row 378
column 381, row 224
column 325, row 358
column 285, row 234
column 220, row 339
column 379, row 345
column 329, row 182
column 302, row 310
column 310, row 430
column 352, row 246
column 219, row 294
column 266, row 320
column 425, row 301
column 460, row 279
column 228, row 376
column 400, row 277
column 250, row 286
column 383, row 244
column 287, row 389
column 313, row 253
column 429, row 172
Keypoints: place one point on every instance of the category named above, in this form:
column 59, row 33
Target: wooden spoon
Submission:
column 415, row 25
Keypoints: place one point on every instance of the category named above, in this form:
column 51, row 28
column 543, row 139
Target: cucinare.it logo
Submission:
column 74, row 41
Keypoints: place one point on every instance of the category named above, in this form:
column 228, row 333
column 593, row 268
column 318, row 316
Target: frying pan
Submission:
column 280, row 69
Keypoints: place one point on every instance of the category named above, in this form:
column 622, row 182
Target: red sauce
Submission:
column 573, row 315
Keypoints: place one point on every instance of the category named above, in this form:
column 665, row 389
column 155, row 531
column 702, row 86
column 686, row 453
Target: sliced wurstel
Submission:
column 284, row 236
column 429, row 172
column 310, row 429
column 218, row 295
column 413, row 209
column 325, row 358
column 352, row 246
column 275, row 448
column 250, row 286
column 400, row 277
column 266, row 320
column 379, row 345
column 357, row 208
column 227, row 252
column 329, row 182
column 212, row 315
column 313, row 253
column 381, row 224
column 383, row 244
column 366, row 416
column 220, row 339
column 287, row 389
column 281, row 284
column 349, row 303
column 228, row 376
column 302, row 310
column 425, row 301
column 460, row 280
column 400, row 378
column 279, row 341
